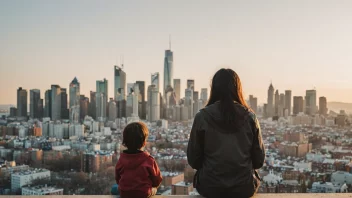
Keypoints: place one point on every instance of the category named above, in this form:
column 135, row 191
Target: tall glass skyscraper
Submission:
column 142, row 105
column 177, row 89
column 288, row 101
column 74, row 101
column 22, row 98
column 311, row 102
column 55, row 102
column 120, row 84
column 190, row 84
column 35, row 106
column 155, row 80
column 269, row 111
column 168, row 70
column 92, row 105
column 64, row 110
column 47, row 109
column 120, row 91
column 101, row 98
column 153, row 103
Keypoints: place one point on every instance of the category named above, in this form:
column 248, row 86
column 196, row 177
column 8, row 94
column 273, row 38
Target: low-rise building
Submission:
column 182, row 188
column 42, row 190
column 171, row 178
column 23, row 178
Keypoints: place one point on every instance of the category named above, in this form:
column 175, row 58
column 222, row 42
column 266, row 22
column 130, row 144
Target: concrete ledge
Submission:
column 293, row 195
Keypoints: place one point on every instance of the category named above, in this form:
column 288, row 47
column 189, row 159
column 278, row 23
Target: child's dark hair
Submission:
column 135, row 135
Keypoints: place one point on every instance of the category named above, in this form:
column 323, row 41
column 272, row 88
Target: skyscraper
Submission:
column 195, row 103
column 281, row 107
column 168, row 70
column 189, row 102
column 297, row 104
column 177, row 89
column 47, row 110
column 190, row 84
column 311, row 102
column 142, row 105
column 135, row 100
column 129, row 103
column 22, row 99
column 277, row 102
column 74, row 101
column 35, row 104
column 83, row 106
column 100, row 106
column 120, row 84
column 102, row 87
column 270, row 105
column 112, row 110
column 204, row 95
column 288, row 101
column 120, row 91
column 323, row 106
column 155, row 80
column 253, row 103
column 92, row 105
column 55, row 102
column 153, row 101
column 101, row 98
column 64, row 110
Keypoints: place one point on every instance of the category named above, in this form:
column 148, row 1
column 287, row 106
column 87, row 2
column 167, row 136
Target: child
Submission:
column 136, row 173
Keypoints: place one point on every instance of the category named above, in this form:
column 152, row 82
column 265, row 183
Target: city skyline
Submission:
column 298, row 52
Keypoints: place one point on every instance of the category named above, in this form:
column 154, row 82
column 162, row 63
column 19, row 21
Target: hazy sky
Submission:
column 297, row 44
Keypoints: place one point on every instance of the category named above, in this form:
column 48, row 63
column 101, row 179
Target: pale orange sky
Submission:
column 297, row 44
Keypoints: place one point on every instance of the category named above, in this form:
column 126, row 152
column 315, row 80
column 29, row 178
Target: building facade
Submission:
column 47, row 108
column 155, row 80
column 101, row 98
column 153, row 111
column 20, row 179
column 323, row 106
column 74, row 101
column 142, row 104
column 269, row 111
column 311, row 102
column 22, row 102
column 168, row 70
column 92, row 105
column 83, row 106
column 36, row 104
column 55, row 102
column 297, row 105
column 288, row 101
column 177, row 89
column 64, row 106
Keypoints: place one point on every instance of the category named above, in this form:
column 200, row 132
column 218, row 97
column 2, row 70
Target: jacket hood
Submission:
column 132, row 161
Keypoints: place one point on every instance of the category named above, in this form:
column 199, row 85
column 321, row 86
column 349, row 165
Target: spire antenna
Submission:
column 170, row 41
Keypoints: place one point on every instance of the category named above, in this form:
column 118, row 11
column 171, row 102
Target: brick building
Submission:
column 182, row 188
column 171, row 178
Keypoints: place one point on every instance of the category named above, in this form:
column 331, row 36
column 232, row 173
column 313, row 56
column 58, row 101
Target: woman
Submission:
column 225, row 144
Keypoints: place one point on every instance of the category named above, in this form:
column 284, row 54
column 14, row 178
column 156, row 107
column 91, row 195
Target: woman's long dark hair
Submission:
column 226, row 87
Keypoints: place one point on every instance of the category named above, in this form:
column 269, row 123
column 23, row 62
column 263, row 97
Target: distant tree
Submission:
column 303, row 187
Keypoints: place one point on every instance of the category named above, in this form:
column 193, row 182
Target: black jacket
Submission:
column 225, row 156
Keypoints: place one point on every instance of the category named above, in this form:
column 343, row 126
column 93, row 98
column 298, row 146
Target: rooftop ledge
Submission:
column 293, row 195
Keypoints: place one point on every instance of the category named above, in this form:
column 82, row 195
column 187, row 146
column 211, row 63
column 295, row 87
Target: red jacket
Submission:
column 136, row 174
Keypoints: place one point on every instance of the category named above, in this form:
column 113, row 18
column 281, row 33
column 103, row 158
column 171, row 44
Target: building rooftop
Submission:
column 31, row 171
column 42, row 188
column 182, row 183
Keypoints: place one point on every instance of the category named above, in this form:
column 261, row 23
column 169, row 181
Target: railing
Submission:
column 293, row 195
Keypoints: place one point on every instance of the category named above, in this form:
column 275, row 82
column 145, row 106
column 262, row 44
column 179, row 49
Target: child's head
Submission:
column 135, row 135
